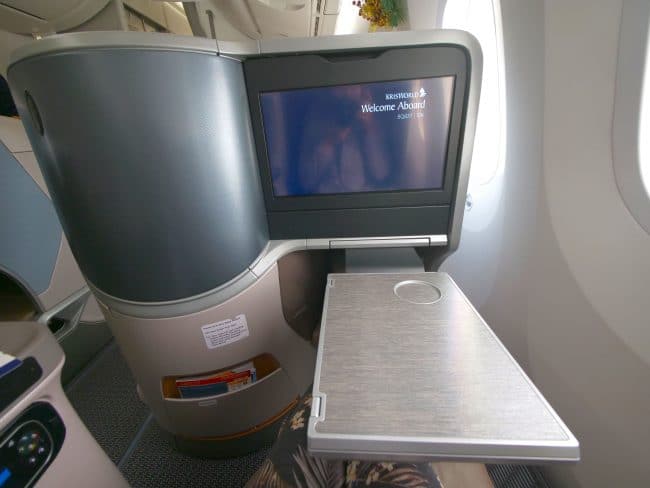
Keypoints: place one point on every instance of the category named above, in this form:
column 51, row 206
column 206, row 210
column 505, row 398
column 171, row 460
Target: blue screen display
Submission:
column 369, row 137
column 5, row 474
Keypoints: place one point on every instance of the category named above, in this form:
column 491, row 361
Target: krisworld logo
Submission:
column 400, row 95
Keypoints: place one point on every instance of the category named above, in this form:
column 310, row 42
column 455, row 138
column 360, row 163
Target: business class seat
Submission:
column 193, row 267
column 39, row 278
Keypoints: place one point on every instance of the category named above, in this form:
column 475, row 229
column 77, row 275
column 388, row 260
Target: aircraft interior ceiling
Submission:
column 194, row 270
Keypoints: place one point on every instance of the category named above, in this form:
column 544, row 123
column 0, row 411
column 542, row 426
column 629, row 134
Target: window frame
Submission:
column 634, row 36
column 500, row 157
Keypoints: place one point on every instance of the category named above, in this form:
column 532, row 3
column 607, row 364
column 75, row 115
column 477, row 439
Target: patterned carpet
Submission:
column 516, row 476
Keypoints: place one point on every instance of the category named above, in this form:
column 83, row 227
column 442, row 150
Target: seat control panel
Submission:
column 29, row 445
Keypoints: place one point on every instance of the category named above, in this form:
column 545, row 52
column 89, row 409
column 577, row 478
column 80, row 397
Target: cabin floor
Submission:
column 104, row 395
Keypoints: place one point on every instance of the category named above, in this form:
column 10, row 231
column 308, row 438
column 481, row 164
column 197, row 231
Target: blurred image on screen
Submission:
column 369, row 137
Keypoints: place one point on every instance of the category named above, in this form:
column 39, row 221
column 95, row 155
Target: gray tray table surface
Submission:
column 407, row 369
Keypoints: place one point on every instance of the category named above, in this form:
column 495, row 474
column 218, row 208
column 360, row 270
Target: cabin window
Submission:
column 631, row 124
column 482, row 18
column 644, row 124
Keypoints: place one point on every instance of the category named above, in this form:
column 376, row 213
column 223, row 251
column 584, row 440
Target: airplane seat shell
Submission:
column 61, row 278
column 31, row 231
column 156, row 183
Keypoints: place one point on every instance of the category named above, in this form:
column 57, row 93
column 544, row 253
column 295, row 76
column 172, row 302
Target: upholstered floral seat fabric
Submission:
column 290, row 465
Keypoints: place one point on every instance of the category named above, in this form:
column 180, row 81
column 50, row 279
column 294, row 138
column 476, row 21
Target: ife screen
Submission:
column 369, row 137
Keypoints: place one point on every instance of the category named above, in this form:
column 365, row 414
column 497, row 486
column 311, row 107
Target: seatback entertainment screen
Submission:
column 358, row 138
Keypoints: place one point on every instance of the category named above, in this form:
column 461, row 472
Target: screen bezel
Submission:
column 289, row 72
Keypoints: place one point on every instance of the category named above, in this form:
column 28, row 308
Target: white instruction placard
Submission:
column 225, row 332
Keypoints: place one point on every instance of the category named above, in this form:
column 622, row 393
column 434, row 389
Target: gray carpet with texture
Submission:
column 105, row 397
column 154, row 463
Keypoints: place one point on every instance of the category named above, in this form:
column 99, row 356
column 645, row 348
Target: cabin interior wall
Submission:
column 111, row 17
column 9, row 42
column 572, row 264
column 561, row 270
column 588, row 334
column 491, row 262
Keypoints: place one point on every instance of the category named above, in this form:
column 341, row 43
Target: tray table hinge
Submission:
column 315, row 406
